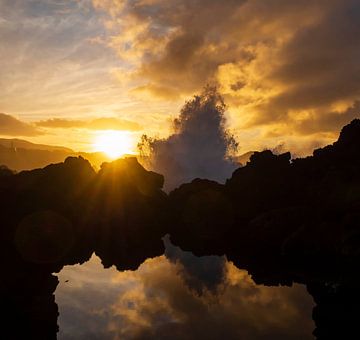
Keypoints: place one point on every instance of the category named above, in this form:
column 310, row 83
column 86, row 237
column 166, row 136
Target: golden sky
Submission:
column 288, row 70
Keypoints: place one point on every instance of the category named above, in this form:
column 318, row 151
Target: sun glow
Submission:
column 113, row 143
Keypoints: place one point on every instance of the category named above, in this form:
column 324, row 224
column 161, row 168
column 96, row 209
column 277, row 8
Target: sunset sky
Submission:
column 288, row 70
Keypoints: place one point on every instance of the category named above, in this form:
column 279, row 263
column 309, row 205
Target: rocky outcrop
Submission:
column 283, row 220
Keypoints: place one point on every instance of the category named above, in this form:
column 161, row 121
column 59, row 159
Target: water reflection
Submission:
column 178, row 296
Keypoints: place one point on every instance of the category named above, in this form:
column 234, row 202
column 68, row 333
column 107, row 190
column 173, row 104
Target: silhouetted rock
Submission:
column 128, row 212
column 5, row 171
column 290, row 221
column 200, row 215
column 283, row 220
column 41, row 231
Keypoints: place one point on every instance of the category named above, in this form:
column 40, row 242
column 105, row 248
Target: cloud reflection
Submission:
column 160, row 301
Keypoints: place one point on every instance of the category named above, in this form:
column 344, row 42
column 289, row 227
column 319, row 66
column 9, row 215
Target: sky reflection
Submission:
column 178, row 296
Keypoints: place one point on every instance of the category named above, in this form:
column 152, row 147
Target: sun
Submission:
column 113, row 143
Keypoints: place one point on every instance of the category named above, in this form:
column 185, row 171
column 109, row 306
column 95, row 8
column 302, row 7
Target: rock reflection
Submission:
column 161, row 301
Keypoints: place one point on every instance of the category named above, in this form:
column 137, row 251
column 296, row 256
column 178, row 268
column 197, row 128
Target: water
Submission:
column 178, row 296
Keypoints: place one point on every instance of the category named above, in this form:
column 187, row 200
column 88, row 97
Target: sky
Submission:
column 288, row 70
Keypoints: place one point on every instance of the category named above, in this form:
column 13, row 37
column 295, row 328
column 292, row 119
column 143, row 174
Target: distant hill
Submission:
column 24, row 144
column 18, row 155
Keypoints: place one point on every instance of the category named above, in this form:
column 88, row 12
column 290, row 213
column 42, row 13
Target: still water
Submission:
column 178, row 296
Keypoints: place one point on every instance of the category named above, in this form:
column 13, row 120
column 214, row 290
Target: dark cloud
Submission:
column 320, row 68
column 104, row 123
column 277, row 62
column 11, row 126
column 328, row 121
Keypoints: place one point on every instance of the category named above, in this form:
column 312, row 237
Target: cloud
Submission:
column 193, row 45
column 104, row 123
column 317, row 68
column 11, row 126
column 281, row 65
column 60, row 123
column 53, row 61
column 328, row 121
